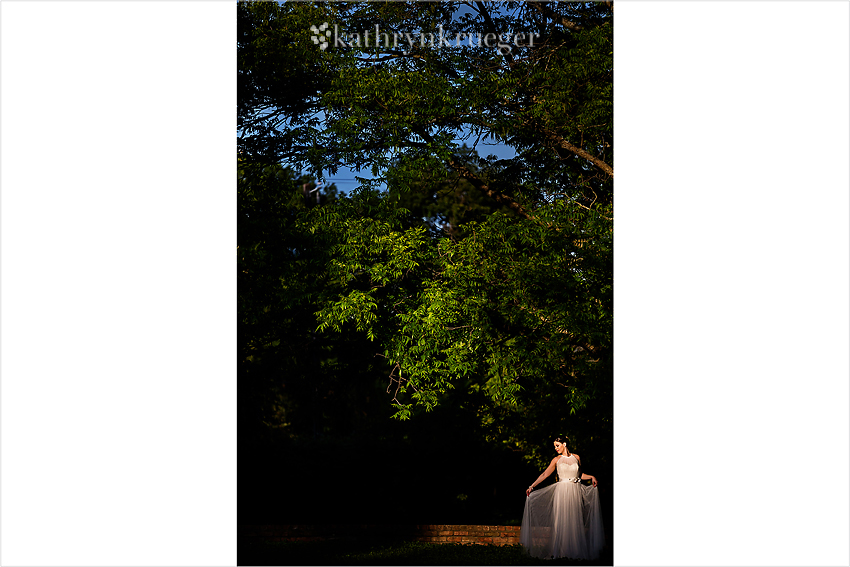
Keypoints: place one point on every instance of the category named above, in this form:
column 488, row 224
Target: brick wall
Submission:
column 432, row 533
column 491, row 535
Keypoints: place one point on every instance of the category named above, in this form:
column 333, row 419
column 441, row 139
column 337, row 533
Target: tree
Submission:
column 443, row 201
column 511, row 305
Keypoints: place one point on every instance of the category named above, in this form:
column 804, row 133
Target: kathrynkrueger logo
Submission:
column 386, row 39
column 318, row 33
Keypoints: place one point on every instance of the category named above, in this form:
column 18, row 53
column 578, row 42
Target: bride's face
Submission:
column 560, row 447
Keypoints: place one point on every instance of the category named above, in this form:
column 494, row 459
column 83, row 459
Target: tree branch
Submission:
column 556, row 141
column 491, row 28
column 553, row 15
column 594, row 351
column 480, row 184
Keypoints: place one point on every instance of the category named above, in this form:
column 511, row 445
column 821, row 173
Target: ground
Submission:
column 352, row 552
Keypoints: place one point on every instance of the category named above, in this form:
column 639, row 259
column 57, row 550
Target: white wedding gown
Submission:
column 563, row 519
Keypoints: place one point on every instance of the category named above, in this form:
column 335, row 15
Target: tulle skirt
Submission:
column 563, row 520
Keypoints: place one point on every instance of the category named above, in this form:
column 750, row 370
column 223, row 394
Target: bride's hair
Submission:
column 561, row 439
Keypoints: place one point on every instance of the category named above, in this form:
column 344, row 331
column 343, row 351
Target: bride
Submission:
column 563, row 519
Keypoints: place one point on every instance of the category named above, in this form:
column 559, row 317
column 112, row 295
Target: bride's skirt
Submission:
column 563, row 520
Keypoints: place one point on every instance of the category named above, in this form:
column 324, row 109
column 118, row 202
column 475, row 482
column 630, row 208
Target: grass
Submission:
column 348, row 552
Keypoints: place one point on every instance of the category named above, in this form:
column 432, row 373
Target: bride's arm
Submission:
column 585, row 476
column 543, row 476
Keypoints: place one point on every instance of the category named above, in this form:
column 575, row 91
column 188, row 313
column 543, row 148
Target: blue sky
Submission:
column 345, row 178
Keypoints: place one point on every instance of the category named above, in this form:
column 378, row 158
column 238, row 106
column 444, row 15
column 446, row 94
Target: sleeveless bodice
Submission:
column 568, row 469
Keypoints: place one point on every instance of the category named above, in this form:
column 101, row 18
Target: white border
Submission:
column 731, row 283
column 118, row 283
column 118, row 413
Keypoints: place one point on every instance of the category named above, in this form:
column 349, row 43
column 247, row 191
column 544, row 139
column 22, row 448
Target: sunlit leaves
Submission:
column 465, row 271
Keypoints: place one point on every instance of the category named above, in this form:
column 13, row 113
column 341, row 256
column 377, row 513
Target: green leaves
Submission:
column 472, row 275
column 357, row 307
